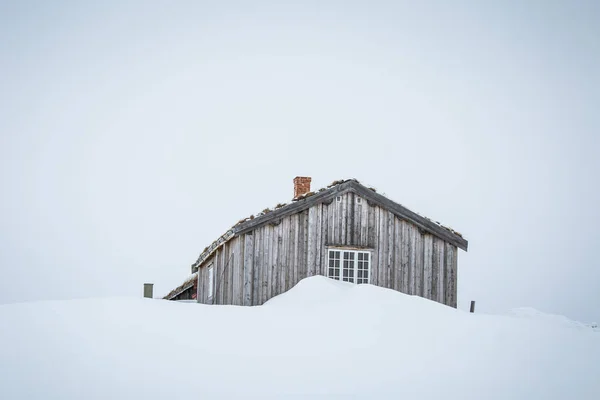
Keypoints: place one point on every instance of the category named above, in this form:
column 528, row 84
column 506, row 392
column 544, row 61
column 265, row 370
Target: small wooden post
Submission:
column 148, row 290
column 472, row 306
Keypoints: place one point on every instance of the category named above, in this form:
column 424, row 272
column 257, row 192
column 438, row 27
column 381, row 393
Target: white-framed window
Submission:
column 358, row 200
column 211, row 281
column 349, row 265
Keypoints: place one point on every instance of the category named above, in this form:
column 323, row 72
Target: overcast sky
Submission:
column 133, row 134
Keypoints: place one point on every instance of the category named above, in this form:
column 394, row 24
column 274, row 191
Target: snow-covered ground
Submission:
column 321, row 340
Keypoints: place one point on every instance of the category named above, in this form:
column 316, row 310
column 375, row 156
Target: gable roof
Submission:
column 188, row 283
column 327, row 195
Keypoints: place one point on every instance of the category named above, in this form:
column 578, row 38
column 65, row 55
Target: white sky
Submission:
column 133, row 134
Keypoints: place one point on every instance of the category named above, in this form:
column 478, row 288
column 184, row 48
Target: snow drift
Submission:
column 322, row 339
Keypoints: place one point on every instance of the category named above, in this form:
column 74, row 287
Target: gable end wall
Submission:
column 258, row 265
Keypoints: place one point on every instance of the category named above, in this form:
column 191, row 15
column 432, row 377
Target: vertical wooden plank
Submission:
column 364, row 223
column 435, row 272
column 340, row 226
column 227, row 259
column 296, row 258
column 371, row 227
column 450, row 275
column 248, row 267
column 390, row 250
column 383, row 246
column 342, row 218
column 267, row 272
column 404, row 256
column 261, row 265
column 376, row 246
column 226, row 269
column 304, row 262
column 302, row 244
column 323, row 243
column 330, row 222
column 455, row 280
column 237, row 264
column 204, row 283
column 296, row 230
column 227, row 274
column 199, row 285
column 275, row 246
column 442, row 278
column 282, row 262
column 355, row 207
column 277, row 261
column 256, row 270
column 202, row 286
column 200, row 295
column 222, row 266
column 418, row 263
column 412, row 258
column 268, row 254
column 292, row 251
column 335, row 223
column 397, row 269
column 240, row 270
column 318, row 236
column 349, row 219
column 232, row 270
column 438, row 270
column 216, row 269
column 312, row 240
column 241, row 255
column 218, row 295
column 428, row 266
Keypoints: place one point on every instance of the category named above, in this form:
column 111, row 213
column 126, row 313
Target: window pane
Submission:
column 348, row 266
column 363, row 268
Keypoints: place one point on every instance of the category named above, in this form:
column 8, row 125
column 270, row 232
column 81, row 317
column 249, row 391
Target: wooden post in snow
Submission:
column 148, row 290
column 472, row 306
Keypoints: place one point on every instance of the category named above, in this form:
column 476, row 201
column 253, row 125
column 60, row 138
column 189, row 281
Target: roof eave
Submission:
column 404, row 213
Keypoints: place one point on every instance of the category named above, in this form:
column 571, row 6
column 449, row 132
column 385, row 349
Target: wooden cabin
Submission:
column 346, row 231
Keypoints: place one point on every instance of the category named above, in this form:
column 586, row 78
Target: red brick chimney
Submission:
column 301, row 186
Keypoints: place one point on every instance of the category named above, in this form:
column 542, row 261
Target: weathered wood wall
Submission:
column 251, row 268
